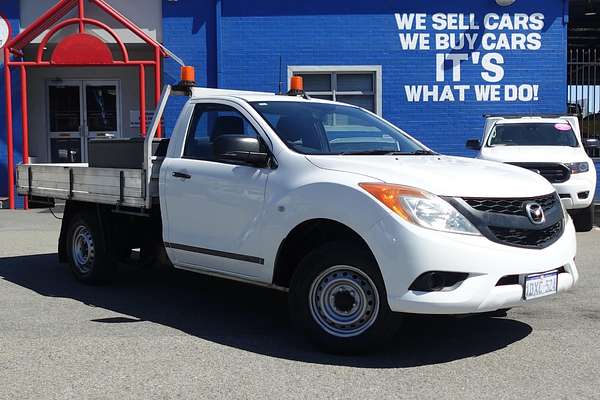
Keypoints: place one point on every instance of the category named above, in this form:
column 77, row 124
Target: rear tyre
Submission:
column 583, row 219
column 337, row 297
column 87, row 250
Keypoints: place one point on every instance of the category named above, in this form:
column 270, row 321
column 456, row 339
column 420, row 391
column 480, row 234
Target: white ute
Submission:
column 360, row 222
column 551, row 147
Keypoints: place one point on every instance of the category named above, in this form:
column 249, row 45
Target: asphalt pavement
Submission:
column 164, row 334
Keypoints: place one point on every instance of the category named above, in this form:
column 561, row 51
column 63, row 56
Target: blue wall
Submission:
column 339, row 32
column 189, row 30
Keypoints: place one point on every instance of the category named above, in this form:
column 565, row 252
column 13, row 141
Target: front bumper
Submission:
column 405, row 251
column 578, row 183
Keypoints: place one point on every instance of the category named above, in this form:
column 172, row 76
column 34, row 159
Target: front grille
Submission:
column 511, row 206
column 506, row 220
column 554, row 173
column 528, row 237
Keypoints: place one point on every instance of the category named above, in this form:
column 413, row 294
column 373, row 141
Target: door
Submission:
column 101, row 109
column 79, row 111
column 65, row 120
column 214, row 208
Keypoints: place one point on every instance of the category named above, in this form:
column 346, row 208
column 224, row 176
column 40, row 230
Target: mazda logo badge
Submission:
column 535, row 213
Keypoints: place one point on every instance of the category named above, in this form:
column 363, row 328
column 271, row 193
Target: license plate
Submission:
column 540, row 285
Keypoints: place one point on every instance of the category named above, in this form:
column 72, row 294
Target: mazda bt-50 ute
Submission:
column 356, row 219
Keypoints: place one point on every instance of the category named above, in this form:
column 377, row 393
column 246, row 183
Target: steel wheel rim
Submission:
column 344, row 301
column 83, row 249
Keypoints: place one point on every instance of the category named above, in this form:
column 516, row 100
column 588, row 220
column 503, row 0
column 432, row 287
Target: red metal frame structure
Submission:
column 80, row 49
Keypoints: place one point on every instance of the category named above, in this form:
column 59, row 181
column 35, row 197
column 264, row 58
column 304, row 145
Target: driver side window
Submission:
column 209, row 122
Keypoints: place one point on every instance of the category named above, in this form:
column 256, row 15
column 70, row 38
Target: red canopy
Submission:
column 62, row 8
column 75, row 50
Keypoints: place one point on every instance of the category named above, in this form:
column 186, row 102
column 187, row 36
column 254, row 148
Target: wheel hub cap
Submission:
column 344, row 301
column 83, row 249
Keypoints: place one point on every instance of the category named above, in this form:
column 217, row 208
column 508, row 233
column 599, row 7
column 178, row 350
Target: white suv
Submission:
column 551, row 147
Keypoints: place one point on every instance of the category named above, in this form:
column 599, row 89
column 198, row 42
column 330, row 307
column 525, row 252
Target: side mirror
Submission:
column 240, row 149
column 591, row 143
column 474, row 144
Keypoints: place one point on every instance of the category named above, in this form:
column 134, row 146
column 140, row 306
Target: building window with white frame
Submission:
column 357, row 85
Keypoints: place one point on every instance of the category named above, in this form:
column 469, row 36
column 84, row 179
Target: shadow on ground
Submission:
column 252, row 318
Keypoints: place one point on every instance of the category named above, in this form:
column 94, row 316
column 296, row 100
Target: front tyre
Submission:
column 583, row 219
column 338, row 298
column 87, row 250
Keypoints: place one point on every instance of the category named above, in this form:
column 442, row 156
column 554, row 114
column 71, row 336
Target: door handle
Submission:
column 181, row 175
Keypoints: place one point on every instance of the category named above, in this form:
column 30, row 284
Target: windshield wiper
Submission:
column 388, row 153
column 367, row 153
column 423, row 153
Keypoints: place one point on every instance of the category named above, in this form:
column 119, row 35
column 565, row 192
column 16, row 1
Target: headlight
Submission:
column 578, row 167
column 421, row 208
column 564, row 210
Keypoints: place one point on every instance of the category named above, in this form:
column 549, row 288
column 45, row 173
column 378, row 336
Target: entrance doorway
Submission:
column 80, row 110
column 75, row 111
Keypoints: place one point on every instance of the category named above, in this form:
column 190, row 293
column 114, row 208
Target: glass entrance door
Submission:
column 65, row 121
column 79, row 111
column 101, row 109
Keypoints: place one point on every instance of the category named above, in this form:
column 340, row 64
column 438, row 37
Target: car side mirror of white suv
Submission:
column 474, row 144
column 591, row 143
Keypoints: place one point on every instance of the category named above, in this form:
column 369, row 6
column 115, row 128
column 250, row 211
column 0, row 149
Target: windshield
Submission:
column 321, row 128
column 533, row 134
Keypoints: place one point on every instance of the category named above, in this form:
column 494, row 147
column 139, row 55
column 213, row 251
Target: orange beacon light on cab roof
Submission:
column 188, row 76
column 297, row 84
